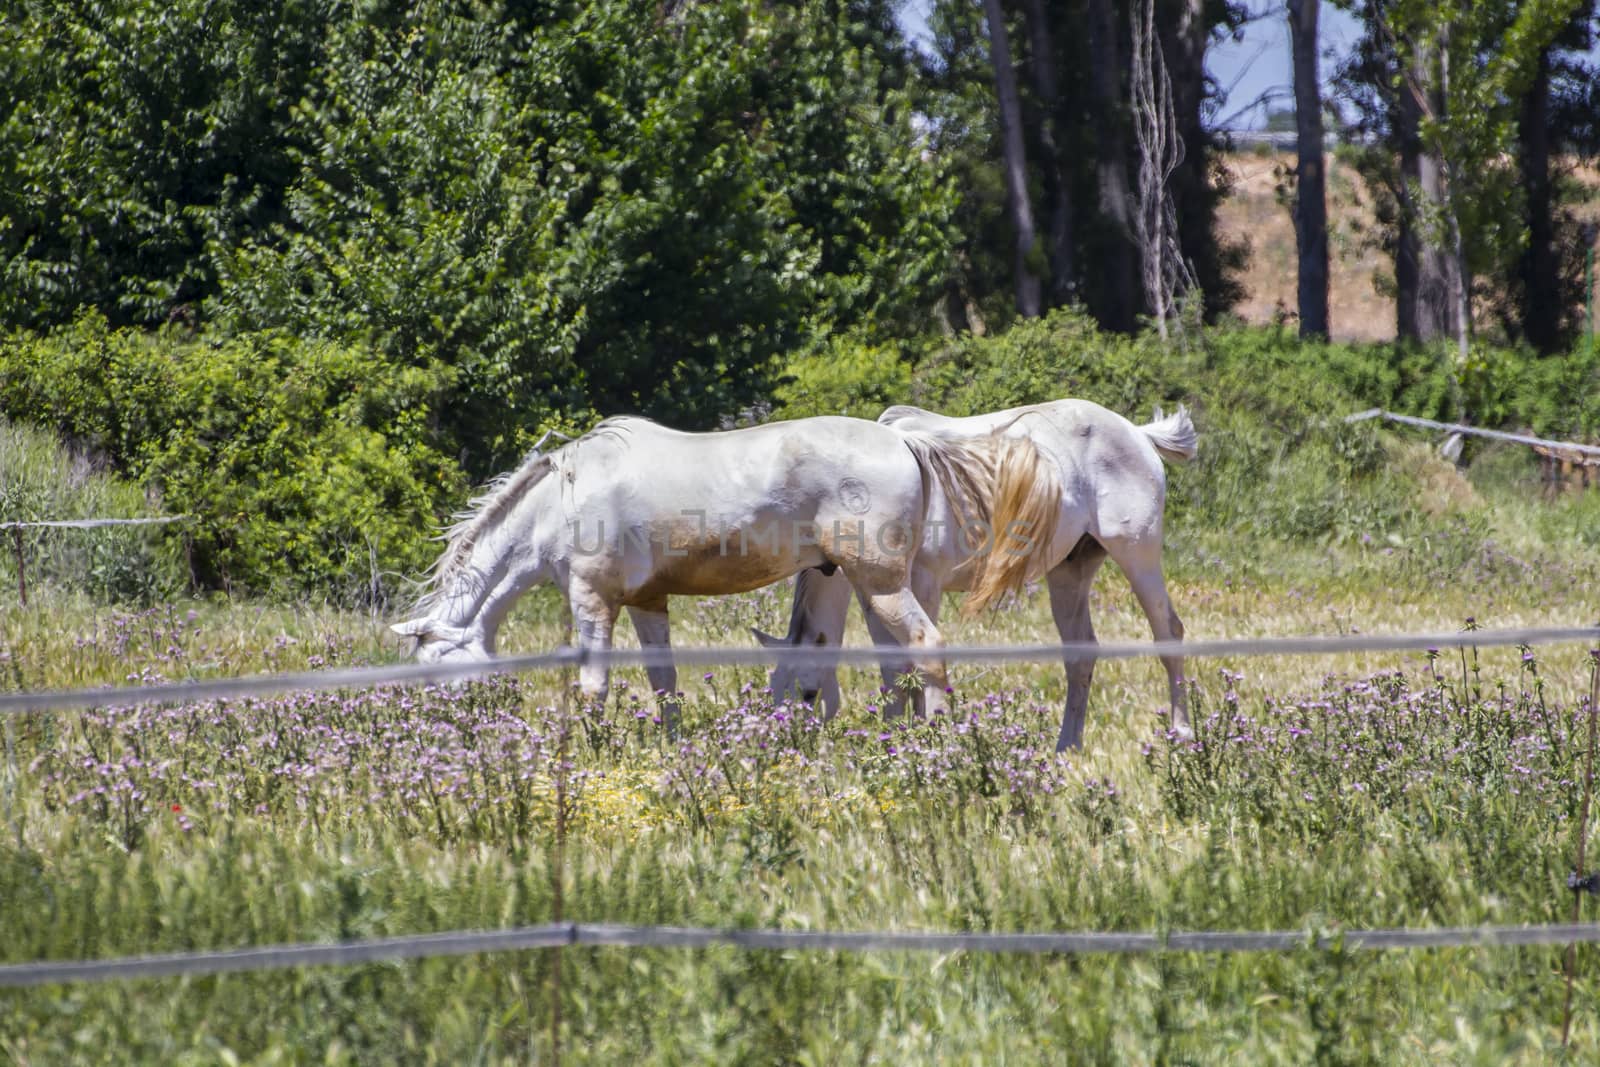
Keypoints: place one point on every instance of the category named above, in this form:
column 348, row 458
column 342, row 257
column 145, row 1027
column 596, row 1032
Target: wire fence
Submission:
column 565, row 658
column 558, row 935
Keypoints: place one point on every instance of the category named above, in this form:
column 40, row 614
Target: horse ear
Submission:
column 426, row 630
column 766, row 640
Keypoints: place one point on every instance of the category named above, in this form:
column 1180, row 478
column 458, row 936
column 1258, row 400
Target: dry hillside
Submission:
column 1253, row 213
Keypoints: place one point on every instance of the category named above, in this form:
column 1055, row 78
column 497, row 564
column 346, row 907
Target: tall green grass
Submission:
column 876, row 854
column 42, row 480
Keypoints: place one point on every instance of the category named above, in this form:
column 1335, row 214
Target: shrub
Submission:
column 846, row 378
column 306, row 464
column 1062, row 354
column 41, row 480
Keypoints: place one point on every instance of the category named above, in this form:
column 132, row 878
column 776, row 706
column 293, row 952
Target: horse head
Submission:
column 438, row 642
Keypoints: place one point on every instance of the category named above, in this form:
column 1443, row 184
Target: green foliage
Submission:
column 577, row 216
column 41, row 481
column 308, row 465
column 846, row 378
column 1061, row 354
column 133, row 132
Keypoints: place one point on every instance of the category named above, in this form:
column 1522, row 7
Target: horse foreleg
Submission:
column 593, row 618
column 654, row 633
column 907, row 624
column 1069, row 582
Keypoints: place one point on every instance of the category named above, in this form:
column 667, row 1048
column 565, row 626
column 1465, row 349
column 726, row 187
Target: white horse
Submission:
column 633, row 512
column 1113, row 493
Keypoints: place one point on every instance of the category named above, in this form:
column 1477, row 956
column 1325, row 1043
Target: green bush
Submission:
column 1062, row 354
column 845, row 379
column 307, row 465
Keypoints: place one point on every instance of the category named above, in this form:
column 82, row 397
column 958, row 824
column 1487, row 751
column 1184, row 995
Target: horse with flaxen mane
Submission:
column 1111, row 495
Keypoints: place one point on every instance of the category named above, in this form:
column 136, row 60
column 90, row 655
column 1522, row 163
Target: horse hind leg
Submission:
column 652, row 626
column 1143, row 568
column 927, row 589
column 1069, row 583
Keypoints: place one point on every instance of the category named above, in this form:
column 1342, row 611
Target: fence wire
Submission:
column 90, row 524
column 557, row 935
column 564, row 658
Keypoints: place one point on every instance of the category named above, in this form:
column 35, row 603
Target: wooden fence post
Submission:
column 22, row 574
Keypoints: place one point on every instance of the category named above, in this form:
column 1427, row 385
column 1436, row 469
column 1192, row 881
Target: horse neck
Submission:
column 507, row 557
column 821, row 603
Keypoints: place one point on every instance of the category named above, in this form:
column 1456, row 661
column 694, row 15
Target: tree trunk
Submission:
column 1539, row 308
column 1424, row 305
column 1120, row 302
column 1016, row 161
column 1058, row 239
column 1408, row 245
column 1460, row 277
column 1436, row 276
column 1310, row 203
column 1184, row 45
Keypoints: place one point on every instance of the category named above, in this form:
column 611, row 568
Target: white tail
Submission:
column 1173, row 435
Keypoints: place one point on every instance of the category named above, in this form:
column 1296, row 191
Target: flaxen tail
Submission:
column 1174, row 436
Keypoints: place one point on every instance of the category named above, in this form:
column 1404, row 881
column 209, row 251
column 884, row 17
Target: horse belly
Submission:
column 691, row 559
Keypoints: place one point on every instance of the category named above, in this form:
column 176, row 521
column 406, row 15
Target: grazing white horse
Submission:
column 633, row 512
column 1113, row 493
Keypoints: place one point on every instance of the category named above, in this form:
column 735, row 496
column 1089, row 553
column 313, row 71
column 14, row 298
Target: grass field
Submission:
column 1358, row 791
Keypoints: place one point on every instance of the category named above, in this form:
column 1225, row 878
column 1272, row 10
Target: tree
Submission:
column 1165, row 273
column 1553, row 115
column 1466, row 68
column 1310, row 203
column 1198, row 184
column 131, row 134
column 1424, row 274
column 577, row 219
column 1058, row 179
column 1014, row 161
column 1119, row 303
column 1443, row 87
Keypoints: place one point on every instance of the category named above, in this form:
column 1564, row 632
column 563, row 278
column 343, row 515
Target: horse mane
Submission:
column 498, row 497
column 1004, row 485
column 892, row 415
